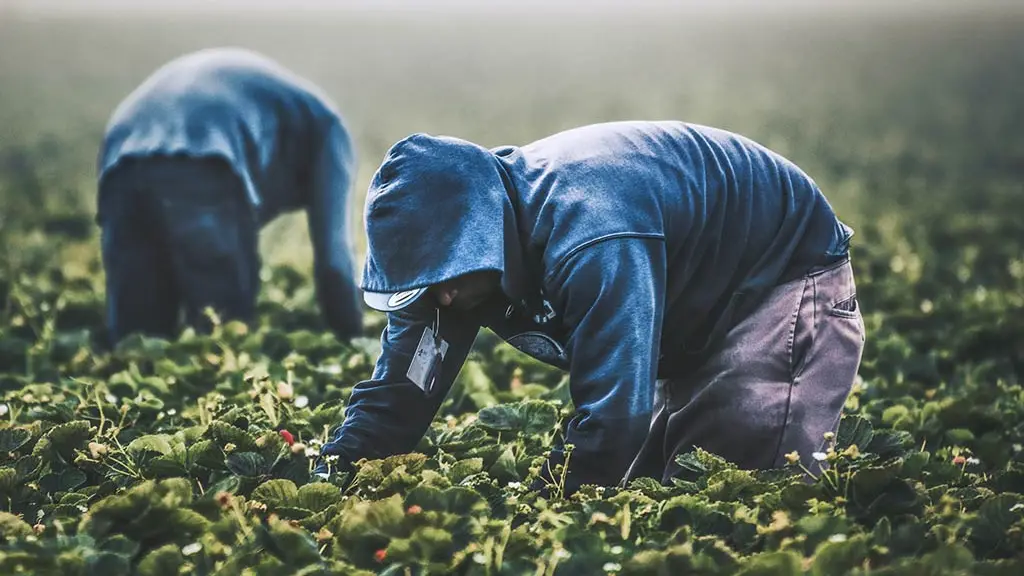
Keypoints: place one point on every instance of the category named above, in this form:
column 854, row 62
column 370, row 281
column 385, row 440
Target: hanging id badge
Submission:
column 425, row 368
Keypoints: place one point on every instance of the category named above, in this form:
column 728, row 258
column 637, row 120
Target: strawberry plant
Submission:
column 160, row 457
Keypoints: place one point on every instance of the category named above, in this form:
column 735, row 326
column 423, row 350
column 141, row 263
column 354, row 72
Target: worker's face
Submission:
column 466, row 291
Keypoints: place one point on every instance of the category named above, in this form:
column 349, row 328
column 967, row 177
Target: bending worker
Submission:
column 696, row 286
column 210, row 148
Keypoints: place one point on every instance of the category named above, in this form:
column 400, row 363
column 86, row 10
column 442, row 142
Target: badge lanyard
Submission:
column 425, row 367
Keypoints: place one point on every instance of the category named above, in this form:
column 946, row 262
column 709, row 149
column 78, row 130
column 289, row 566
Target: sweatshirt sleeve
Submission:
column 330, row 182
column 389, row 414
column 611, row 296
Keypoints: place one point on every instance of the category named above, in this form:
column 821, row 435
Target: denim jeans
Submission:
column 178, row 235
column 776, row 384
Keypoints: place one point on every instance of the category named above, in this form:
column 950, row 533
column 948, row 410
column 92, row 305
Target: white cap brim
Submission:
column 390, row 301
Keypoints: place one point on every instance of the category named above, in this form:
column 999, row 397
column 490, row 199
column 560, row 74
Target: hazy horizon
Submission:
column 130, row 7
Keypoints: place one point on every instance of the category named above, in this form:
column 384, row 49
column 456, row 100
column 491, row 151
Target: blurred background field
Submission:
column 898, row 111
column 907, row 114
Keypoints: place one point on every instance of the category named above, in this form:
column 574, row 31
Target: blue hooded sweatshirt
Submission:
column 626, row 251
column 279, row 133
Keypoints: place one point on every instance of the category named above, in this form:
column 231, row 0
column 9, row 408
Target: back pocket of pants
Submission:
column 848, row 307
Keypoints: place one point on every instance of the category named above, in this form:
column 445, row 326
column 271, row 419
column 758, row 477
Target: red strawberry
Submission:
column 288, row 437
column 380, row 555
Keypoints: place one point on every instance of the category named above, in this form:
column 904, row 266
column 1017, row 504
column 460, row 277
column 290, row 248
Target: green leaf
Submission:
column 122, row 385
column 225, row 434
column 536, row 391
column 394, row 473
column 539, row 417
column 504, row 469
column 156, row 385
column 167, row 466
column 464, row 468
column 318, row 496
column 713, row 463
column 107, row 564
column 914, row 464
column 70, row 479
column 295, row 469
column 248, row 464
column 871, row 481
column 529, row 417
column 319, row 519
column 474, row 384
column 893, row 415
column 854, row 430
column 456, row 500
column 696, row 512
column 995, row 518
column 729, row 485
column 153, row 512
column 691, row 465
column 946, row 559
column 889, row 443
column 275, row 493
column 650, row 488
column 73, row 498
column 8, row 480
column 959, row 436
column 120, row 544
column 796, row 496
column 185, row 522
column 157, row 443
column 190, row 435
column 819, row 528
column 882, row 532
column 64, row 439
column 293, row 512
column 206, row 453
column 12, row 526
column 179, row 489
column 840, row 557
column 64, row 513
column 427, row 543
column 147, row 403
column 772, row 564
column 327, row 414
column 364, row 527
column 899, row 497
column 413, row 462
column 463, row 501
column 13, row 438
column 500, row 418
column 908, row 536
column 27, row 467
column 230, row 484
column 163, row 561
column 292, row 546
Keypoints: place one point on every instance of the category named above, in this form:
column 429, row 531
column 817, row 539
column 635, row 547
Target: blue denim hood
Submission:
column 437, row 208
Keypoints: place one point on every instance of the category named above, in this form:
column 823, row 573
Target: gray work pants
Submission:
column 776, row 384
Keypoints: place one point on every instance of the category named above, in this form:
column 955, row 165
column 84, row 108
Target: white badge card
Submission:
column 426, row 362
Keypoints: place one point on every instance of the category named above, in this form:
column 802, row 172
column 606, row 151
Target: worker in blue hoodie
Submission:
column 194, row 162
column 696, row 286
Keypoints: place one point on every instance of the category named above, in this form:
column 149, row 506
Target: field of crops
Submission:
column 193, row 456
